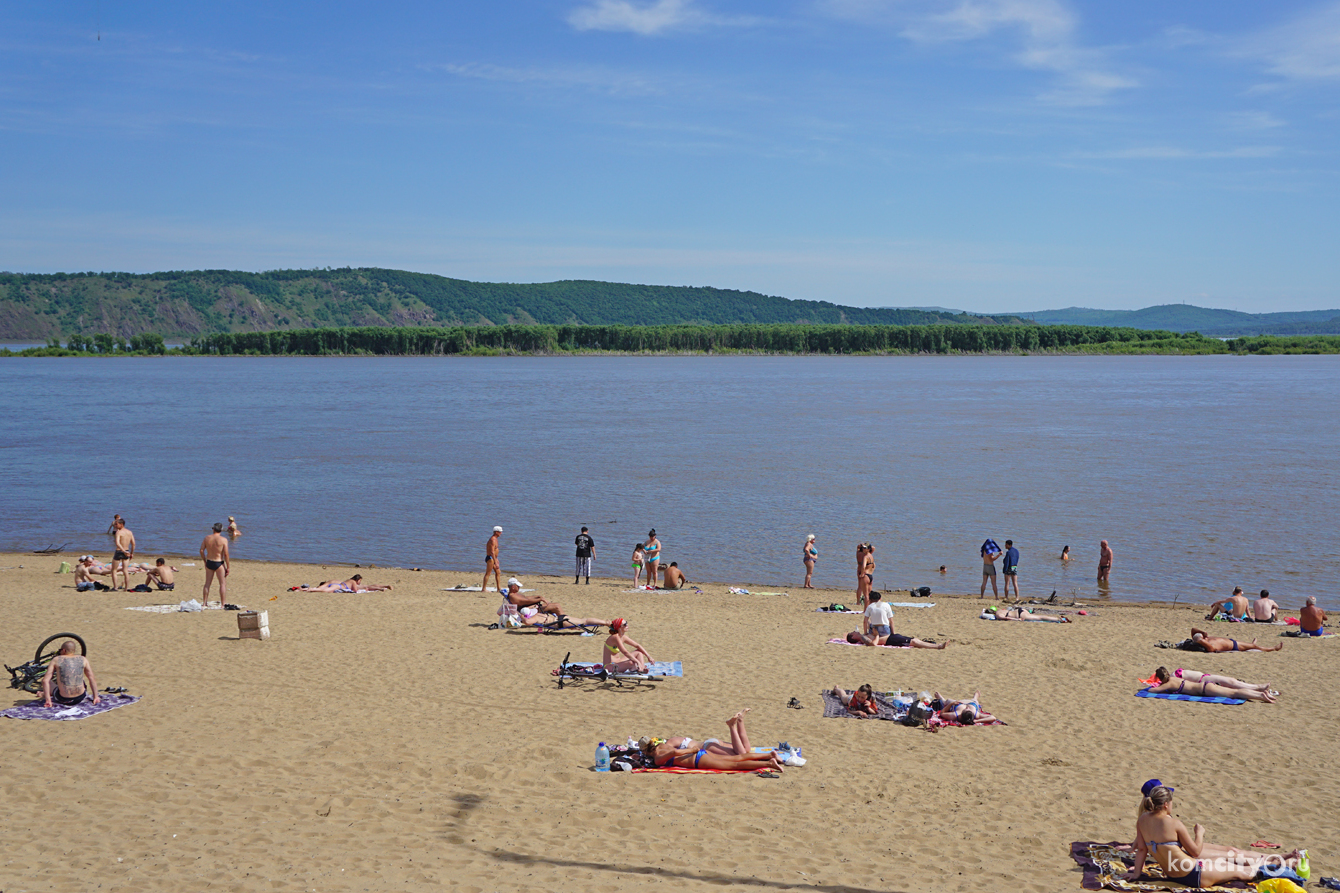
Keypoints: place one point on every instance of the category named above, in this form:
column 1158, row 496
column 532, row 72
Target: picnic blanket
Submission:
column 735, row 590
column 473, row 589
column 656, row 668
column 173, row 609
column 835, row 709
column 854, row 645
column 1146, row 693
column 1105, row 867
column 86, row 708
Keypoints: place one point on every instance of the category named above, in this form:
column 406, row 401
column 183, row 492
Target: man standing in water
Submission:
column 586, row 551
column 214, row 550
column 491, row 562
column 1104, row 561
column 125, row 550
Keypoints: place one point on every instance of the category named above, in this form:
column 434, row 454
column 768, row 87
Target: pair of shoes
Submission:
column 795, row 702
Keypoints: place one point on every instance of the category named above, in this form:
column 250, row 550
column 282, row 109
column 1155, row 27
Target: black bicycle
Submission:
column 29, row 676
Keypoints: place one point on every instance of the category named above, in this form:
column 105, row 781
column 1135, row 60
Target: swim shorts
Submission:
column 120, row 556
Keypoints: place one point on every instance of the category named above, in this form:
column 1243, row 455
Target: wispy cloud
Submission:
column 1173, row 153
column 593, row 78
column 1304, row 49
column 1045, row 31
column 1254, row 120
column 648, row 18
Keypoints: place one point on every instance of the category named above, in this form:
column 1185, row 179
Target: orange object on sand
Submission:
column 1152, row 680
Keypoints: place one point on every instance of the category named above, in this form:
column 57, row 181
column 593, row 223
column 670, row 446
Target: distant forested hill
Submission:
column 1188, row 318
column 180, row 304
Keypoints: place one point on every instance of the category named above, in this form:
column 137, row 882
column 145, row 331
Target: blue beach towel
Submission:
column 658, row 668
column 990, row 548
column 1146, row 693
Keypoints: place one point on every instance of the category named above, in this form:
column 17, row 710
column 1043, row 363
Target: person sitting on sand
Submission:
column 162, row 575
column 84, row 571
column 672, row 577
column 1020, row 614
column 1204, row 685
column 1234, row 607
column 860, row 703
column 1186, row 859
column 659, row 752
column 619, row 643
column 1311, row 619
column 1203, row 641
column 70, row 670
column 856, row 637
column 1264, row 609
column 965, row 713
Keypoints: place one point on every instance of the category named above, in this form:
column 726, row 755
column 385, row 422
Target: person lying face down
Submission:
column 661, row 752
column 855, row 637
column 860, row 703
column 1207, row 685
column 1203, row 641
column 1018, row 613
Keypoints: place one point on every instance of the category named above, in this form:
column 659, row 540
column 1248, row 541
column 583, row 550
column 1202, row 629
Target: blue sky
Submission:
column 989, row 155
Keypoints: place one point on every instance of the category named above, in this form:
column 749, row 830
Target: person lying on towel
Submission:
column 1203, row 641
column 662, row 753
column 1206, row 685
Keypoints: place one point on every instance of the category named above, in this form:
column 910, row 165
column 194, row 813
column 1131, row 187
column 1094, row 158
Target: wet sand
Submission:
column 391, row 741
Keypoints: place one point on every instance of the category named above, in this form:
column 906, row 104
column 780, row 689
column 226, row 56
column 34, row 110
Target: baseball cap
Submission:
column 1154, row 783
column 497, row 530
column 513, row 581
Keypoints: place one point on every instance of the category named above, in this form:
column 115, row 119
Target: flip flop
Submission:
column 767, row 774
column 795, row 702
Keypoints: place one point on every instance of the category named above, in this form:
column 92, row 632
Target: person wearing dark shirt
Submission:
column 1011, row 568
column 586, row 550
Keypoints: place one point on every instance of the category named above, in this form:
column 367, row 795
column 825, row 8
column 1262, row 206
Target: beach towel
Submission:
column 990, row 548
column 835, row 709
column 173, row 609
column 682, row 771
column 1146, row 693
column 854, row 645
column 1299, row 634
column 1105, row 867
column 82, row 710
column 735, row 590
column 659, row 589
column 473, row 589
column 549, row 631
column 657, row 668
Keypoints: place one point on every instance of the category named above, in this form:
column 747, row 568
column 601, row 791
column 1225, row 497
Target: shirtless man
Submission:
column 1218, row 644
column 125, row 550
column 491, row 562
column 214, row 549
column 163, row 575
column 70, row 670
column 1235, row 606
column 514, row 596
column 1104, row 561
column 672, row 577
column 990, row 552
column 1264, row 609
column 83, row 575
column 1311, row 619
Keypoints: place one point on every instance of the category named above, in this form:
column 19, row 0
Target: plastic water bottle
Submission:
column 602, row 758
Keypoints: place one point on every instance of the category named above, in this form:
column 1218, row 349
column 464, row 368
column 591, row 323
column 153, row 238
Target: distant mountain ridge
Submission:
column 1189, row 318
column 182, row 304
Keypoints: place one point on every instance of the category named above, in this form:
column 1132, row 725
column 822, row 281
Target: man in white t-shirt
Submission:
column 878, row 620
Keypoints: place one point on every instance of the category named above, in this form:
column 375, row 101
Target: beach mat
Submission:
column 938, row 722
column 854, row 645
column 735, row 590
column 542, row 631
column 835, row 709
column 474, row 589
column 82, row 710
column 1105, row 868
column 890, row 604
column 1146, row 693
column 658, row 589
column 682, row 771
column 173, row 609
column 656, row 668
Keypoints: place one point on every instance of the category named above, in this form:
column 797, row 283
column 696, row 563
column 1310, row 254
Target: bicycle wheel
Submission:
column 44, row 656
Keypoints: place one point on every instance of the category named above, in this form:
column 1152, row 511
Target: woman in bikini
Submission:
column 965, row 713
column 1203, row 641
column 867, row 578
column 809, row 554
column 1183, row 684
column 661, row 752
column 1162, row 675
column 1020, row 614
column 619, row 643
column 1065, row 553
column 1186, row 859
column 651, row 554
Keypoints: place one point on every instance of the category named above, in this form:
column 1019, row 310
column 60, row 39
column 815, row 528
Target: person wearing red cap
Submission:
column 619, row 643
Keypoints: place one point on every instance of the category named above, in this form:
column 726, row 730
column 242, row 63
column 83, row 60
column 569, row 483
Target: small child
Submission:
column 637, row 564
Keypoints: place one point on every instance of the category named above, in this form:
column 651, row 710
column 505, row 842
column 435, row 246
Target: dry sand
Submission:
column 391, row 741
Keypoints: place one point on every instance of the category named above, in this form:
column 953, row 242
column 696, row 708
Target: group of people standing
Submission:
column 646, row 560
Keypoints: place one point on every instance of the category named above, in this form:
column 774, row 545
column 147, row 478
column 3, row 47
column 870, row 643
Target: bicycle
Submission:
column 28, row 676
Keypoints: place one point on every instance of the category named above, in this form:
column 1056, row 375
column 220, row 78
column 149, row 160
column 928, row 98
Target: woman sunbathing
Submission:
column 1020, row 614
column 965, row 713
column 619, row 643
column 1162, row 675
column 1185, row 686
column 533, row 616
column 1187, row 859
column 662, row 753
column 859, row 703
column 1203, row 641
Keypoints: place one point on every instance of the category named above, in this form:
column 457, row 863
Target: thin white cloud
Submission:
column 648, row 18
column 1045, row 29
column 1173, row 153
column 1304, row 49
column 600, row 80
column 1254, row 120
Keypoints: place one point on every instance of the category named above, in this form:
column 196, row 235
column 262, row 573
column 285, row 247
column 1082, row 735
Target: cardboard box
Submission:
column 253, row 625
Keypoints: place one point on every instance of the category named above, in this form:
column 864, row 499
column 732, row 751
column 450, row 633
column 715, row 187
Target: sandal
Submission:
column 795, row 702
column 768, row 774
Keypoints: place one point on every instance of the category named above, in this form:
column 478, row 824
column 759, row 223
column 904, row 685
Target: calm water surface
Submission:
column 1203, row 473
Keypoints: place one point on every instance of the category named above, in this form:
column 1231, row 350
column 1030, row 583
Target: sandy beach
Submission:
column 391, row 741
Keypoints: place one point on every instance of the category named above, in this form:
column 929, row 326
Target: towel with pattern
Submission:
column 655, row 668
column 1146, row 693
column 855, row 645
column 58, row 711
column 835, row 709
column 1105, row 867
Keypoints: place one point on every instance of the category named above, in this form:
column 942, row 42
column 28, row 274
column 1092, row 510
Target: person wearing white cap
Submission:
column 491, row 562
column 809, row 554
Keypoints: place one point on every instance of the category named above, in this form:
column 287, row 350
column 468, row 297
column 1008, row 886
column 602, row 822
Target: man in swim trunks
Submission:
column 1219, row 644
column 214, row 550
column 69, row 671
column 125, row 550
column 1234, row 607
column 586, row 553
column 491, row 564
column 672, row 577
column 1311, row 619
column 1104, row 561
column 1264, row 609
column 162, row 575
column 989, row 555
column 1011, row 569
